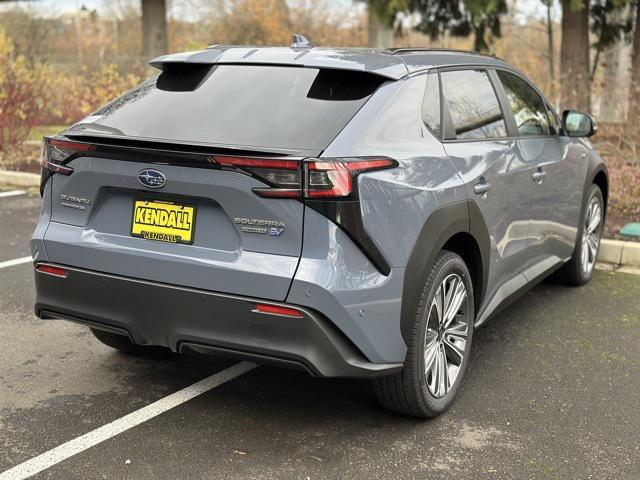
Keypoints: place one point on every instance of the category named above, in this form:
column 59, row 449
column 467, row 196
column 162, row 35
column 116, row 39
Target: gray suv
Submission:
column 350, row 212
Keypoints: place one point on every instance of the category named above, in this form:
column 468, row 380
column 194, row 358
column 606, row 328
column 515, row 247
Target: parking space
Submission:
column 552, row 391
column 21, row 211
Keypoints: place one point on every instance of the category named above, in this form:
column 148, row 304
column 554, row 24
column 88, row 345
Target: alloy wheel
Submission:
column 591, row 235
column 446, row 335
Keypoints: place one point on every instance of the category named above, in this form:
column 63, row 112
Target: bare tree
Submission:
column 380, row 35
column 550, row 49
column 154, row 28
column 616, row 65
column 31, row 35
column 381, row 14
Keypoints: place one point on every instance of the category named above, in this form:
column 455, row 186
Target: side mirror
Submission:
column 578, row 124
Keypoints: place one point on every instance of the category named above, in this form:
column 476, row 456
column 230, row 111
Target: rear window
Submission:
column 239, row 105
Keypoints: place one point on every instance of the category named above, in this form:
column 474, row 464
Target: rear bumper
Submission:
column 152, row 313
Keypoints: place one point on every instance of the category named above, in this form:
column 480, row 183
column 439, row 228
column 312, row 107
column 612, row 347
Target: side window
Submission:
column 431, row 104
column 528, row 107
column 473, row 105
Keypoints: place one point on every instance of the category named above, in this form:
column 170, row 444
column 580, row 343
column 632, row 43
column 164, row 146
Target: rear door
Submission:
column 164, row 183
column 488, row 159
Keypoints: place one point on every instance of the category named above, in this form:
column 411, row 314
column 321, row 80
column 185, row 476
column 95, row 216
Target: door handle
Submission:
column 539, row 176
column 482, row 188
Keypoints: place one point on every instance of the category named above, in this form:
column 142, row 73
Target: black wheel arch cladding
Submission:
column 598, row 174
column 441, row 226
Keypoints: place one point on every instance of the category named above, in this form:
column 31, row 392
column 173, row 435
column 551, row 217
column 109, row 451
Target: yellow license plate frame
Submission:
column 163, row 221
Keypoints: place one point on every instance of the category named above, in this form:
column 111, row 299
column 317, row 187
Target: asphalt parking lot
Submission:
column 553, row 391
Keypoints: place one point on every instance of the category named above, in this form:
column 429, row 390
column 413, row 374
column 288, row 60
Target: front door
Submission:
column 558, row 171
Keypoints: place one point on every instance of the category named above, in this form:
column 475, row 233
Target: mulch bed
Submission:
column 25, row 158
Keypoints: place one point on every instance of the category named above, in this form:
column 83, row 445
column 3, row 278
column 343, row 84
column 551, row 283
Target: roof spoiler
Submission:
column 301, row 53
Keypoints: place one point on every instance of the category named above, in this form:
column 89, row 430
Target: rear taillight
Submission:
column 56, row 153
column 335, row 178
column 331, row 178
column 284, row 175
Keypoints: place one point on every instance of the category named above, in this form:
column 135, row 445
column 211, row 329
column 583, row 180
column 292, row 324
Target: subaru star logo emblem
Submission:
column 152, row 178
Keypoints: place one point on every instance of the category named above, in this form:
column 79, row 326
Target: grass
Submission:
column 44, row 130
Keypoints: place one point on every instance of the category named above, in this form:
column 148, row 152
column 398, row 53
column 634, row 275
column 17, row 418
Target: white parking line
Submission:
column 12, row 193
column 88, row 440
column 15, row 261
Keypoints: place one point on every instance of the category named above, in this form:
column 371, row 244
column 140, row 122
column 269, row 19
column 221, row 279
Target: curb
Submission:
column 617, row 252
column 19, row 179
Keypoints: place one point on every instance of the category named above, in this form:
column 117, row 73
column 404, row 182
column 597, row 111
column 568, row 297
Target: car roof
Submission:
column 392, row 63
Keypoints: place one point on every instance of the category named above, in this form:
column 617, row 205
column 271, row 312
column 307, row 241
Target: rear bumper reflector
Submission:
column 51, row 270
column 277, row 310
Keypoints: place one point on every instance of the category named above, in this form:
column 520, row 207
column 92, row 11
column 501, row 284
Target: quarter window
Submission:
column 431, row 104
column 473, row 105
column 527, row 106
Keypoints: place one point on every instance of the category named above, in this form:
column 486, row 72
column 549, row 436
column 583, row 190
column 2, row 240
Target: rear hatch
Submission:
column 193, row 178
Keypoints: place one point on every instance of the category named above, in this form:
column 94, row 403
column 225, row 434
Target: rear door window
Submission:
column 526, row 104
column 260, row 106
column 473, row 105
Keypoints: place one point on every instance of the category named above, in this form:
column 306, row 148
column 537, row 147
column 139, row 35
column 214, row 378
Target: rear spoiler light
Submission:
column 312, row 178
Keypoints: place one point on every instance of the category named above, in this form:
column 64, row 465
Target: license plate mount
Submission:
column 163, row 221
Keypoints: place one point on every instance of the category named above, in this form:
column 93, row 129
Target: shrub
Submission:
column 44, row 95
column 87, row 89
column 21, row 99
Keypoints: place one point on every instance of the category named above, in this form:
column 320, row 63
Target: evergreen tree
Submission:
column 480, row 18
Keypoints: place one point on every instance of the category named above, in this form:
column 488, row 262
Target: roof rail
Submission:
column 223, row 45
column 397, row 50
column 298, row 41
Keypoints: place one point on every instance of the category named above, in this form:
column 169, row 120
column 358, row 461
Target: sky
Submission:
column 71, row 5
column 524, row 8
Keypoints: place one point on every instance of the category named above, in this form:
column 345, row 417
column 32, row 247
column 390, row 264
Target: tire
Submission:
column 576, row 272
column 124, row 345
column 419, row 391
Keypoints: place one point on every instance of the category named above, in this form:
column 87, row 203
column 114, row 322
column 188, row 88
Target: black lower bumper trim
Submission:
column 153, row 313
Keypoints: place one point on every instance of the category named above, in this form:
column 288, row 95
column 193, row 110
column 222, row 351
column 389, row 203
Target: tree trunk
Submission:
column 551, row 50
column 574, row 58
column 154, row 28
column 634, row 102
column 614, row 92
column 380, row 36
column 615, row 84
